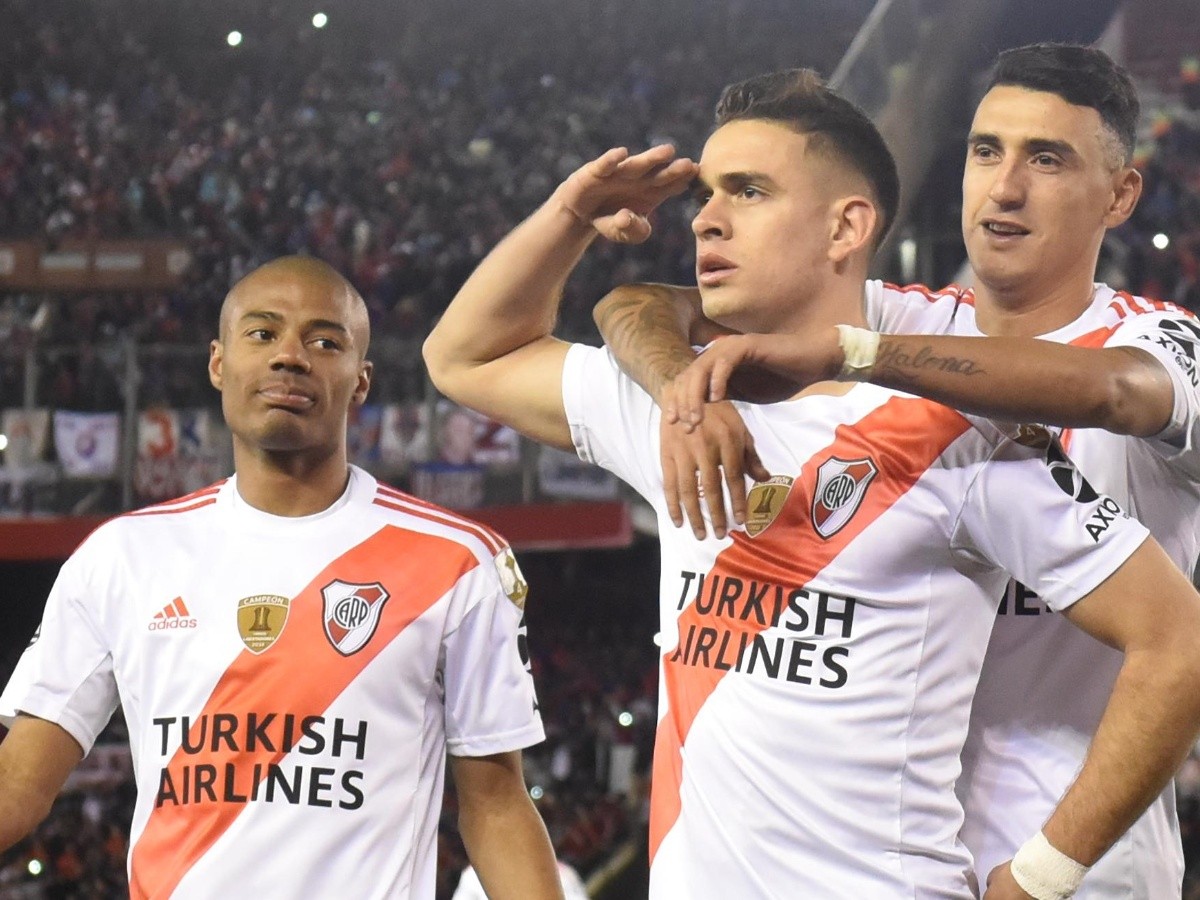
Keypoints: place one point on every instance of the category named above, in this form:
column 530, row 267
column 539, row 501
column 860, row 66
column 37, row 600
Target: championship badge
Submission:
column 765, row 501
column 516, row 588
column 260, row 620
column 841, row 486
column 352, row 614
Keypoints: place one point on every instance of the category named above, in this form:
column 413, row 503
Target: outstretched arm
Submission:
column 492, row 349
column 36, row 757
column 1148, row 610
column 504, row 835
column 1120, row 389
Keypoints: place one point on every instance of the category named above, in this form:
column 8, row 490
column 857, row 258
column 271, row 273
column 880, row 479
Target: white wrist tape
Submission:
column 1044, row 872
column 860, row 348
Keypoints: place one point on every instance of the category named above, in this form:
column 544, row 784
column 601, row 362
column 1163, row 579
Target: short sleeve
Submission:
column 1172, row 338
column 614, row 423
column 66, row 674
column 1031, row 512
column 490, row 704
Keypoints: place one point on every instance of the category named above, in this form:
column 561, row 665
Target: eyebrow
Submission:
column 276, row 318
column 732, row 182
column 1032, row 146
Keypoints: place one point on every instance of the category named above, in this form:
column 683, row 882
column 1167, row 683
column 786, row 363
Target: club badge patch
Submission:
column 516, row 588
column 352, row 614
column 260, row 620
column 841, row 486
column 765, row 501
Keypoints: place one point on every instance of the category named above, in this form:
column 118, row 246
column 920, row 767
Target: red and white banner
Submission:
column 179, row 451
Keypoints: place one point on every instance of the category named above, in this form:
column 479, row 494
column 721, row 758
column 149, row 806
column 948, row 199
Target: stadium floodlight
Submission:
column 233, row 38
column 35, row 867
column 1161, row 241
column 3, row 442
column 625, row 719
column 320, row 20
column 536, row 792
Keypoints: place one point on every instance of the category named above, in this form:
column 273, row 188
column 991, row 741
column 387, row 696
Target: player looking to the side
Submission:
column 1047, row 172
column 296, row 649
column 818, row 663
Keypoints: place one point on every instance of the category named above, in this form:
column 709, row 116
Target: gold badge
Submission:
column 516, row 588
column 765, row 501
column 261, row 619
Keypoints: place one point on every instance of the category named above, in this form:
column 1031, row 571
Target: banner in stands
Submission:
column 179, row 451
column 82, row 265
column 28, row 435
column 87, row 444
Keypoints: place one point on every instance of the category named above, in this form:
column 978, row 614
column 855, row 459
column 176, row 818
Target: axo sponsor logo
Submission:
column 172, row 617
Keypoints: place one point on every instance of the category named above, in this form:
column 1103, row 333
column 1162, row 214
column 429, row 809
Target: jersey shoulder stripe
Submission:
column 1142, row 305
column 390, row 498
column 932, row 295
column 194, row 500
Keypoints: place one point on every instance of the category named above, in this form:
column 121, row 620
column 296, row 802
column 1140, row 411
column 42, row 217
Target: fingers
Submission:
column 608, row 161
column 714, row 496
column 671, row 487
column 624, row 227
column 687, row 486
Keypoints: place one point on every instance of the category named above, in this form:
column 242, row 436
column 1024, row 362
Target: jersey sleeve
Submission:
column 614, row 423
column 1029, row 511
column 490, row 704
column 66, row 674
column 1172, row 338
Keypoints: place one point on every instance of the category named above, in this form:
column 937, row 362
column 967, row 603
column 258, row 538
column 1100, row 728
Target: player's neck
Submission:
column 840, row 302
column 289, row 484
column 1031, row 310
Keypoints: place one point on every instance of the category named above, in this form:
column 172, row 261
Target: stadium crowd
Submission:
column 400, row 155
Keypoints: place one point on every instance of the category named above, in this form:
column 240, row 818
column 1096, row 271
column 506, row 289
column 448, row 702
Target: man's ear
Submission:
column 1127, row 190
column 215, row 358
column 359, row 397
column 852, row 226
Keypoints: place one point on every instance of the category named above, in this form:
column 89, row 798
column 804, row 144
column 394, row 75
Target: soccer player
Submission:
column 1048, row 171
column 819, row 663
column 296, row 649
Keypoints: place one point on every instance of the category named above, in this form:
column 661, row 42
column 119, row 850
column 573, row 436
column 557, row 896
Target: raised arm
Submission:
column 1148, row 610
column 651, row 330
column 36, row 757
column 1119, row 389
column 504, row 835
column 492, row 349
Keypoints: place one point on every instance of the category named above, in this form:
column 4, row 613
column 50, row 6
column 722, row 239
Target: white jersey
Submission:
column 291, row 685
column 818, row 665
column 1045, row 683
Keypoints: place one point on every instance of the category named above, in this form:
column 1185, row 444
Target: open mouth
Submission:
column 1004, row 229
column 711, row 269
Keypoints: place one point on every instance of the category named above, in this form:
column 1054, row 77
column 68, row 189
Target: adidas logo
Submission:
column 174, row 615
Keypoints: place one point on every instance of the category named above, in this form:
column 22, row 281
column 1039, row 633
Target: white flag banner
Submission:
column 28, row 433
column 87, row 444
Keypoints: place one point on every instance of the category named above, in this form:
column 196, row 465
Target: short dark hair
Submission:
column 799, row 99
column 1083, row 76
